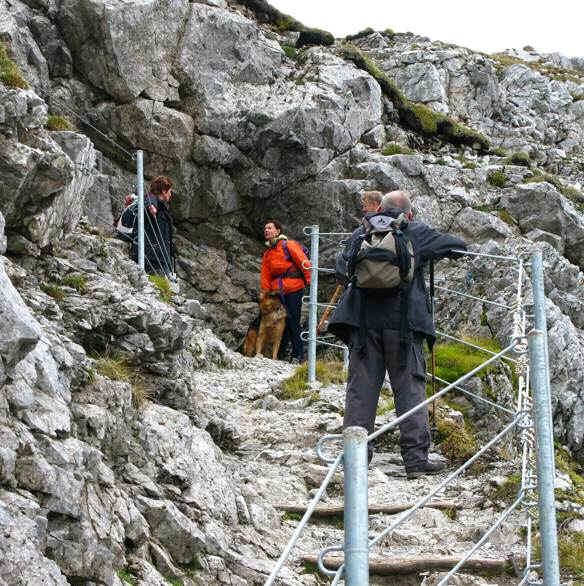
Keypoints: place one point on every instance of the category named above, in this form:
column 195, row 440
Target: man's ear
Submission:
column 378, row 208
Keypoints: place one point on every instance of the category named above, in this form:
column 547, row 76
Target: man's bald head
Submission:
column 398, row 199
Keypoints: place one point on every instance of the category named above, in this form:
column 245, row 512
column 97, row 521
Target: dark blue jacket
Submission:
column 382, row 309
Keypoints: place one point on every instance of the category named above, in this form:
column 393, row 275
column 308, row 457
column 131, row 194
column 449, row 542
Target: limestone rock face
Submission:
column 131, row 435
column 106, row 40
column 24, row 531
column 47, row 174
column 540, row 207
column 19, row 332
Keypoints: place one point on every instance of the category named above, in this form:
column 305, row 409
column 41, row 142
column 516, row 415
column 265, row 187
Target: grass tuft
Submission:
column 10, row 74
column 393, row 148
column 162, row 284
column 386, row 401
column 509, row 490
column 116, row 367
column 327, row 373
column 76, row 282
column 497, row 178
column 127, row 578
column 570, row 551
column 53, row 290
column 499, row 152
column 58, row 123
column 290, row 51
column 508, row 219
column 520, row 158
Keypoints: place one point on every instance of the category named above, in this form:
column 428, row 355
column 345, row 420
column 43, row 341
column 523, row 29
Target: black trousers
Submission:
column 366, row 375
column 293, row 304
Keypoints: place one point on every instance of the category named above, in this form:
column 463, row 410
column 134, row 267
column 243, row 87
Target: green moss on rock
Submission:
column 364, row 33
column 456, row 441
column 454, row 360
column 266, row 13
column 418, row 117
column 314, row 36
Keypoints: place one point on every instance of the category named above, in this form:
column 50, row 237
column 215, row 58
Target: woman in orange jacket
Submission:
column 285, row 271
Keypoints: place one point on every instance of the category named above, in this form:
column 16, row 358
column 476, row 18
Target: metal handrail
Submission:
column 522, row 420
column 487, row 301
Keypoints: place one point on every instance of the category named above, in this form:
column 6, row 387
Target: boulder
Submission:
column 21, row 544
column 541, row 206
column 177, row 533
column 19, row 331
column 119, row 48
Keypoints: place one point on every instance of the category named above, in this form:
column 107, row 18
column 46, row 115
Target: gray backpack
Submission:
column 384, row 257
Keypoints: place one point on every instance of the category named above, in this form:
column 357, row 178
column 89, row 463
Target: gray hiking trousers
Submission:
column 366, row 375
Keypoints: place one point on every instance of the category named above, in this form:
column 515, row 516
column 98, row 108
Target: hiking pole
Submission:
column 433, row 353
column 328, row 310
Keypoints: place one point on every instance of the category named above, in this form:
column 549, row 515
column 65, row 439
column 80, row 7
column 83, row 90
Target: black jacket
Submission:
column 382, row 308
column 158, row 237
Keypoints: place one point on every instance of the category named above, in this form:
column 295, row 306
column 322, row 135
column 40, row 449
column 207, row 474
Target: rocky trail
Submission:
column 272, row 456
column 136, row 446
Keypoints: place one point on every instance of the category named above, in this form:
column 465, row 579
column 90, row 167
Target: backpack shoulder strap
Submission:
column 290, row 259
column 286, row 251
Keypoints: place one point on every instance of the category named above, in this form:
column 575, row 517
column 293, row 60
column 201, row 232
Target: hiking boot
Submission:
column 425, row 468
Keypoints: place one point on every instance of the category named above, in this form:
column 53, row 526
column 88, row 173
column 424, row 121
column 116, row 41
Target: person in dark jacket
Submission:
column 369, row 323
column 158, row 229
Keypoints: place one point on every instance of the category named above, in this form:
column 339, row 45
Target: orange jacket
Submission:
column 275, row 263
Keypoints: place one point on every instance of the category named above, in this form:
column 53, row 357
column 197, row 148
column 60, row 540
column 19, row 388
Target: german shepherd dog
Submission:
column 272, row 324
column 249, row 342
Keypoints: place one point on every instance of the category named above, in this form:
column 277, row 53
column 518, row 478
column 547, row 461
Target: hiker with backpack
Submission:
column 285, row 272
column 385, row 315
column 158, row 229
column 124, row 225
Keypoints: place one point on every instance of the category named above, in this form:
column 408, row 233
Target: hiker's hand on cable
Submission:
column 152, row 209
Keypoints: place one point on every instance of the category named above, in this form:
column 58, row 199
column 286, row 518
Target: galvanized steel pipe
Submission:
column 356, row 507
column 140, row 194
column 545, row 459
column 312, row 306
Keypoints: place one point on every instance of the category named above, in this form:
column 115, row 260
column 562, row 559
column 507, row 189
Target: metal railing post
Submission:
column 545, row 459
column 312, row 306
column 140, row 194
column 356, row 507
column 541, row 320
column 345, row 358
